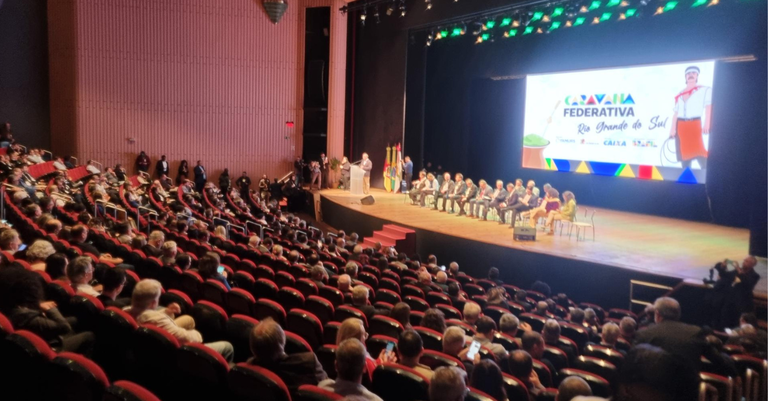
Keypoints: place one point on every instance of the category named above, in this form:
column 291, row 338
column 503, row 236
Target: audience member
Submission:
column 571, row 387
column 37, row 253
column 350, row 366
column 493, row 276
column 628, row 328
column 488, row 379
column 551, row 334
column 471, row 313
column 652, row 373
column 360, row 301
column 113, row 281
column 208, row 268
column 267, row 342
column 509, row 324
column 496, row 297
column 533, row 343
column 679, row 339
column 448, row 384
column 521, row 367
column 80, row 273
column 402, row 313
column 486, row 328
column 433, row 319
column 521, row 299
column 610, row 335
column 21, row 300
column 170, row 251
column 56, row 267
column 145, row 308
column 409, row 350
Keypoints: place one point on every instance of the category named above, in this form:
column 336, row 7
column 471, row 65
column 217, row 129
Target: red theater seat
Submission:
column 432, row 339
column 75, row 377
column 123, row 390
column 239, row 329
column 290, row 298
column 435, row 359
column 252, row 383
column 306, row 325
column 386, row 326
column 240, row 301
column 267, row 308
column 345, row 312
column 313, row 393
column 202, row 370
column 210, row 320
column 25, row 357
column 393, row 382
column 320, row 307
column 265, row 289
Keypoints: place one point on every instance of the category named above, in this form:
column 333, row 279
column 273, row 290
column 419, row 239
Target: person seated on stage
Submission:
column 470, row 190
column 514, row 193
column 430, row 187
column 567, row 212
column 549, row 203
column 533, row 186
column 445, row 190
column 498, row 196
column 417, row 186
column 483, row 193
column 457, row 191
column 523, row 204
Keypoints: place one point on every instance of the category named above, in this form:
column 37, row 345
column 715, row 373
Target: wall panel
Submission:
column 191, row 79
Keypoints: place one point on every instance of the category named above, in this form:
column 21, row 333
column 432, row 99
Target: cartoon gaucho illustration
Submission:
column 691, row 105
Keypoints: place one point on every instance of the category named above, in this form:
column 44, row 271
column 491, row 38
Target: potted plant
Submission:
column 334, row 171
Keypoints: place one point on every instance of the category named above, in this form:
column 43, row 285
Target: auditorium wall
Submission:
column 24, row 71
column 205, row 80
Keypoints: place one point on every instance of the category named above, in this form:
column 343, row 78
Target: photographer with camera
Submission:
column 733, row 290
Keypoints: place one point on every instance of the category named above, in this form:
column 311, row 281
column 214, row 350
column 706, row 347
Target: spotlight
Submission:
column 595, row 21
column 376, row 14
column 429, row 4
column 391, row 8
column 363, row 16
column 402, row 8
column 430, row 38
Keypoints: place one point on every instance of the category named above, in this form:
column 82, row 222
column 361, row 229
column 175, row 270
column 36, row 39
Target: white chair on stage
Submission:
column 584, row 226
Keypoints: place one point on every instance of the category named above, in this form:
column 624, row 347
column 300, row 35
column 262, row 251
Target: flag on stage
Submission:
column 388, row 179
column 398, row 168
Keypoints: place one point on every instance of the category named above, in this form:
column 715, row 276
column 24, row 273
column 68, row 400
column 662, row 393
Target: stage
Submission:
column 661, row 250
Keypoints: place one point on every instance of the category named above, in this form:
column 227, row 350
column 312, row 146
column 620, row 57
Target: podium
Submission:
column 356, row 180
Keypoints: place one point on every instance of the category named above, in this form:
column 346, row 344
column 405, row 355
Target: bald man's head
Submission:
column 572, row 386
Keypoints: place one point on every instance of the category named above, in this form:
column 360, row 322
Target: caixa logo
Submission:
column 612, row 142
column 599, row 99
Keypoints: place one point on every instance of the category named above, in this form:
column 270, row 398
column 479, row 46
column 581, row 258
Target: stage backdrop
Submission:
column 621, row 121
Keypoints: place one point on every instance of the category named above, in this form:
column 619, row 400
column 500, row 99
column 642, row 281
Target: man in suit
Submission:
column 498, row 196
column 417, row 186
column 459, row 187
column 366, row 165
column 685, row 341
column 267, row 341
column 513, row 194
column 469, row 193
column 324, row 165
column 445, row 190
column 484, row 193
column 154, row 244
column 524, row 203
column 200, row 176
column 407, row 172
column 162, row 167
column 430, row 188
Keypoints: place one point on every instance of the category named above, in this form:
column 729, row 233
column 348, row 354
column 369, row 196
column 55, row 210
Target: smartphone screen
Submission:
column 473, row 348
column 220, row 269
column 22, row 247
column 390, row 346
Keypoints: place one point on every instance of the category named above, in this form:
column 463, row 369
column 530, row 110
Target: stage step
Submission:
column 403, row 239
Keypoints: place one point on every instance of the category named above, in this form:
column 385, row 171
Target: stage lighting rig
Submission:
column 363, row 16
column 391, row 8
column 376, row 15
column 401, row 8
column 430, row 38
column 429, row 4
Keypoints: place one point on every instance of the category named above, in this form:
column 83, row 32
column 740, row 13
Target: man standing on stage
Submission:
column 407, row 172
column 324, row 164
column 316, row 175
column 446, row 188
column 298, row 171
column 366, row 165
column 691, row 104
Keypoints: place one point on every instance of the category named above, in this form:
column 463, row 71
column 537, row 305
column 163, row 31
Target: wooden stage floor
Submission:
column 651, row 244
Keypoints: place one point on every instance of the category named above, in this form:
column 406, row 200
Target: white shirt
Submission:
column 431, row 185
column 697, row 102
column 87, row 290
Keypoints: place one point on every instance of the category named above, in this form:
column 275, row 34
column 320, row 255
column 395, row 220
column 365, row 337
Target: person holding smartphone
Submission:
column 209, row 268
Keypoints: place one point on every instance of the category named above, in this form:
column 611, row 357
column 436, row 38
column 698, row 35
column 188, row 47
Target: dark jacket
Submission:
column 295, row 369
column 150, row 250
column 50, row 325
column 680, row 339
